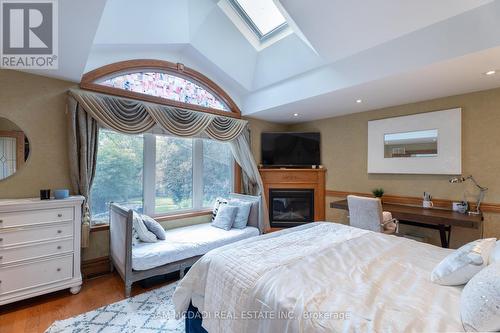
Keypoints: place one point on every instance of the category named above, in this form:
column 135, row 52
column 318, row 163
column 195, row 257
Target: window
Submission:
column 159, row 175
column 174, row 174
column 166, row 86
column 262, row 16
column 119, row 173
column 217, row 165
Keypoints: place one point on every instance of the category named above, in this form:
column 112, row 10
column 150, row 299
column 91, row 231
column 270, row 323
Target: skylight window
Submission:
column 262, row 16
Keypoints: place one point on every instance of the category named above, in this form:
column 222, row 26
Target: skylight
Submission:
column 263, row 17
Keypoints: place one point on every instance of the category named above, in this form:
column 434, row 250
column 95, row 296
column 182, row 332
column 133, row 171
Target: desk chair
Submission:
column 366, row 213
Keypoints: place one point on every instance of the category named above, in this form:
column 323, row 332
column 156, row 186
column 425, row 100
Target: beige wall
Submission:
column 256, row 128
column 37, row 105
column 344, row 154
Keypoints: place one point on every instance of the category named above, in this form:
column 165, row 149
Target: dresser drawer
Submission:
column 27, row 235
column 39, row 273
column 37, row 250
column 33, row 217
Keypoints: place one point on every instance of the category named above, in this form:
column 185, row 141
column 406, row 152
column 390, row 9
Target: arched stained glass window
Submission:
column 161, row 82
column 166, row 86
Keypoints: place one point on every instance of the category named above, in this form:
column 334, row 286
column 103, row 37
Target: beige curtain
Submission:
column 134, row 117
column 252, row 182
column 83, row 132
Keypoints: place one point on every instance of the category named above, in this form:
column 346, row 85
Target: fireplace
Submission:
column 290, row 207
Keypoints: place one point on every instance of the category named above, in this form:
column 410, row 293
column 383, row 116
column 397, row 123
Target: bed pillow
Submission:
column 495, row 254
column 241, row 219
column 461, row 265
column 154, row 227
column 480, row 301
column 218, row 202
column 140, row 232
column 225, row 217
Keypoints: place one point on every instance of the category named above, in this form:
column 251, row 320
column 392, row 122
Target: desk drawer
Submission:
column 38, row 250
column 33, row 217
column 24, row 276
column 28, row 235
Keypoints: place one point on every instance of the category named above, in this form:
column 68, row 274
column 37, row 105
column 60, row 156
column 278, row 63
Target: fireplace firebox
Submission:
column 290, row 207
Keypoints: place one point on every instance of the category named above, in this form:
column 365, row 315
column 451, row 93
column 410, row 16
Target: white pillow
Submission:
column 480, row 301
column 154, row 227
column 495, row 254
column 218, row 202
column 140, row 231
column 241, row 219
column 461, row 265
column 225, row 217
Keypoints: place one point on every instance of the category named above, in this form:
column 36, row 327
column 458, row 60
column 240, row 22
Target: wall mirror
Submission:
column 411, row 144
column 14, row 148
column 424, row 143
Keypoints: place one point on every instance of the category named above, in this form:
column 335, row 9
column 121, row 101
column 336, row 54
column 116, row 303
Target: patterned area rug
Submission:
column 150, row 312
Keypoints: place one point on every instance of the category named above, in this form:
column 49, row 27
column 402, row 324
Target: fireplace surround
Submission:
column 296, row 179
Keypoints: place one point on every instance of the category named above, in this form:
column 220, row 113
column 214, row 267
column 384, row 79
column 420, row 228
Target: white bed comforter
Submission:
column 321, row 277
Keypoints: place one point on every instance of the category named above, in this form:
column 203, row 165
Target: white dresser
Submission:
column 39, row 247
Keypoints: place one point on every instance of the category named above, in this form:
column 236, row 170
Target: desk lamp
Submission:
column 482, row 191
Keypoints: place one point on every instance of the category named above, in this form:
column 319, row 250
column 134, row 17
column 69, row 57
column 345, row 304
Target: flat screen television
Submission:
column 287, row 149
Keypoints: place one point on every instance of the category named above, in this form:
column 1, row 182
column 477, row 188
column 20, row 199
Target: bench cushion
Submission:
column 185, row 242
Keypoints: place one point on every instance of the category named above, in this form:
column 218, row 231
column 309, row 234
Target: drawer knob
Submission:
column 1, row 221
column 59, row 231
column 59, row 215
column 58, row 269
column 1, row 257
column 1, row 239
column 59, row 247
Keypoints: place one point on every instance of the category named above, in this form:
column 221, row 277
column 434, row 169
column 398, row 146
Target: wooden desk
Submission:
column 432, row 218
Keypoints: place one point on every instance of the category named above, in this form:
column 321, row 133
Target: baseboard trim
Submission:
column 95, row 267
column 416, row 201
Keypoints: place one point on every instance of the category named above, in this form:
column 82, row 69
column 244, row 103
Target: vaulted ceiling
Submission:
column 384, row 52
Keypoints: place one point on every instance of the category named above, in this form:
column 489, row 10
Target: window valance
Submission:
column 134, row 117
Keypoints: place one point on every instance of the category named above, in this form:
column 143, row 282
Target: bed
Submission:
column 319, row 277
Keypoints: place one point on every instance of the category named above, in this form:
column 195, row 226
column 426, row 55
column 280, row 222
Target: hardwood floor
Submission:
column 37, row 314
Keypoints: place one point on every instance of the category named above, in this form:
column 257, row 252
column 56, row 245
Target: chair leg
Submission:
column 128, row 290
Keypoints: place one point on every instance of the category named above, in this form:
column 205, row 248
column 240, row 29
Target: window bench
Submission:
column 182, row 248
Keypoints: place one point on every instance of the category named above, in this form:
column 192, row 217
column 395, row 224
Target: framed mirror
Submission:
column 14, row 148
column 423, row 143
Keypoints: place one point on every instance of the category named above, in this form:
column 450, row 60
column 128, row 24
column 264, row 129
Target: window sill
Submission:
column 162, row 218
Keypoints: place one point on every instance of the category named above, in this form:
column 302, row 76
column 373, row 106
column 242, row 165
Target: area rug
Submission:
column 150, row 312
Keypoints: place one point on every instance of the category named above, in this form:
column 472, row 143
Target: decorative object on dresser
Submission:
column 39, row 247
column 294, row 196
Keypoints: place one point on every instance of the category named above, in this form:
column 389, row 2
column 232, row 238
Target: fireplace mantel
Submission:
column 298, row 179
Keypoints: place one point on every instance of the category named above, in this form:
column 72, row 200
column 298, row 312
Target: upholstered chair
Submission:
column 367, row 213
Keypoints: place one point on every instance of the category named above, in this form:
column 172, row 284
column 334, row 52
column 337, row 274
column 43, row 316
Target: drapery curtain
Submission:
column 135, row 117
column 252, row 182
column 82, row 143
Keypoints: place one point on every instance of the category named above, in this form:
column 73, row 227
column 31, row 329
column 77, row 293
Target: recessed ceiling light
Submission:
column 295, row 114
column 359, row 101
column 492, row 72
